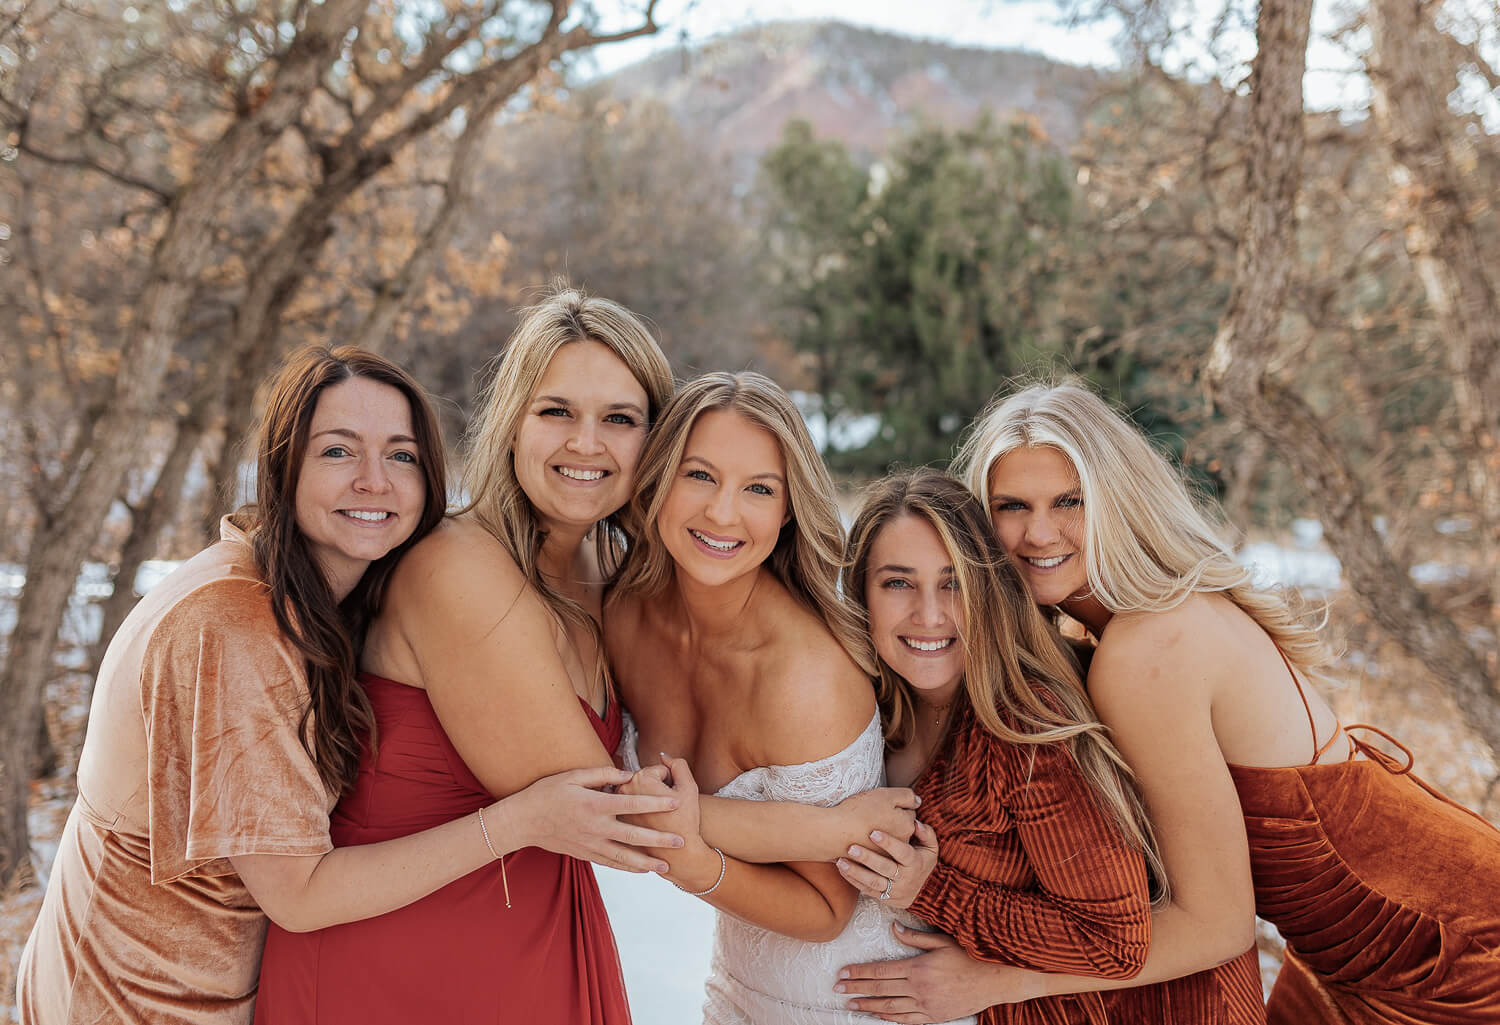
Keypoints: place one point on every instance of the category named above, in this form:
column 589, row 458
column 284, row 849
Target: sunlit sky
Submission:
column 1033, row 25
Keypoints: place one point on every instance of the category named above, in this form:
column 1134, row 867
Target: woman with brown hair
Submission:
column 1034, row 845
column 226, row 720
column 486, row 673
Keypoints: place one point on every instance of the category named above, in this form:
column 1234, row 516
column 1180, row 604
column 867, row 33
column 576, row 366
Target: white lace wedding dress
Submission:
column 763, row 978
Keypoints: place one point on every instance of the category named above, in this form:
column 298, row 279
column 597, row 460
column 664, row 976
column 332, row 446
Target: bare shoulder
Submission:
column 1172, row 656
column 458, row 561
column 810, row 699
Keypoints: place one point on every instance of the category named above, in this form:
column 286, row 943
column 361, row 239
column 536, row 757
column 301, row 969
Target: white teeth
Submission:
column 927, row 645
column 368, row 517
column 718, row 546
column 1056, row 560
column 571, row 473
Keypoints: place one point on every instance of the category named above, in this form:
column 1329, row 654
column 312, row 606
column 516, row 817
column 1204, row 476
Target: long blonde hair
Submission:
column 1019, row 678
column 809, row 550
column 1148, row 544
column 496, row 499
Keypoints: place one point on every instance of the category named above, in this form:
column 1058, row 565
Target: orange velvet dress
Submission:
column 1032, row 872
column 1387, row 892
column 469, row 953
column 194, row 756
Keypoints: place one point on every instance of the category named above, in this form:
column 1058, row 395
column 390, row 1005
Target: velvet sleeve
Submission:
column 222, row 694
column 1086, row 910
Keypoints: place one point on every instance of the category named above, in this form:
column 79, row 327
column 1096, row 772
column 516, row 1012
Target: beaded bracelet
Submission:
column 504, row 882
column 723, row 864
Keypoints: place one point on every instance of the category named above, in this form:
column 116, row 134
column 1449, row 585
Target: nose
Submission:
column 373, row 477
column 585, row 438
column 1040, row 530
column 721, row 507
column 932, row 608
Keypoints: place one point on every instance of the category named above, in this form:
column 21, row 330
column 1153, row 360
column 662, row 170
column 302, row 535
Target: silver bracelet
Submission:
column 723, row 864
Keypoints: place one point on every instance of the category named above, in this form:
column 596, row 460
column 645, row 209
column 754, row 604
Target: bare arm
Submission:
column 772, row 831
column 565, row 812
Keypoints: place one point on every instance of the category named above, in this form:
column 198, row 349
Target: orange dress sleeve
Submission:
column 223, row 694
column 1031, row 871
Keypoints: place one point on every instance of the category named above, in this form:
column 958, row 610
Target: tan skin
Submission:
column 1205, row 667
column 727, row 672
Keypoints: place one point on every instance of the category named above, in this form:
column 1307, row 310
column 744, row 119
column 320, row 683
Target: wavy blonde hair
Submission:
column 1148, row 543
column 810, row 548
column 1019, row 677
column 496, row 499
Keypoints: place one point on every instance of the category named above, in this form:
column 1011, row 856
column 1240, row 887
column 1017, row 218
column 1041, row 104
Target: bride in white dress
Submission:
column 729, row 644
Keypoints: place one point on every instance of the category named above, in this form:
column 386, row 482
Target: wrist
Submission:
column 697, row 867
column 503, row 830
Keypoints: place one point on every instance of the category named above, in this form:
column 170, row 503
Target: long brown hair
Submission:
column 1019, row 679
column 326, row 631
column 810, row 548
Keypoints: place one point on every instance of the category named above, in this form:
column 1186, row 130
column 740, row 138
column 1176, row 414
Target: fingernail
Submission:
column 900, row 927
column 664, row 756
column 876, row 836
column 841, row 863
column 673, row 804
column 843, row 974
column 919, row 800
column 662, row 868
column 678, row 841
column 839, row 988
column 853, row 852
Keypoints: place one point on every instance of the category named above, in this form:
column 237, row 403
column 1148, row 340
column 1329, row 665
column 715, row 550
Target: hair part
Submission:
column 809, row 551
column 1148, row 542
column 1020, row 680
column 496, row 499
column 328, row 633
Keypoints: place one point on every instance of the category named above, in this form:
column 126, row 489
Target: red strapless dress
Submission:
column 458, row 956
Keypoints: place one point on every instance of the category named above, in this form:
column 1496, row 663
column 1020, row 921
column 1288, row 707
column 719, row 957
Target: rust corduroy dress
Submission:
column 1032, row 872
column 1388, row 893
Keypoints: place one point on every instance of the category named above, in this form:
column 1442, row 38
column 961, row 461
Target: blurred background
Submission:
column 891, row 208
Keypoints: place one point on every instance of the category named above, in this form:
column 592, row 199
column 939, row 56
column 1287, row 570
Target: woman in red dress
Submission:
column 486, row 672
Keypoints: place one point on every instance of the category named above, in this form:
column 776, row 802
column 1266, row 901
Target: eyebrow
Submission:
column 1002, row 497
column 558, row 400
column 909, row 570
column 344, row 432
column 769, row 475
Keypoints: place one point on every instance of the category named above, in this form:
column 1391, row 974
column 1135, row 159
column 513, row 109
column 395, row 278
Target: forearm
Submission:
column 773, row 831
column 773, row 897
column 1094, row 936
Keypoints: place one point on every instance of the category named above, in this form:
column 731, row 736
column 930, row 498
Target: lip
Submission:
column 558, row 469
column 390, row 517
column 917, row 653
column 1025, row 560
column 709, row 550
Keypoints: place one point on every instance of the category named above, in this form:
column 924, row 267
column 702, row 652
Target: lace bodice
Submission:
column 761, row 977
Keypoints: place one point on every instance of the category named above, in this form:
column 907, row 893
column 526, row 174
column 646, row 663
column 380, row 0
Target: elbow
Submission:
column 1234, row 939
column 828, row 927
column 297, row 920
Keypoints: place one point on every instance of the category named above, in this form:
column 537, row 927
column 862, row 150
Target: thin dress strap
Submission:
column 1319, row 749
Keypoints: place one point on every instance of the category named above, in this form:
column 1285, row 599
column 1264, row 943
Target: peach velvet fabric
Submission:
column 193, row 757
column 1031, row 871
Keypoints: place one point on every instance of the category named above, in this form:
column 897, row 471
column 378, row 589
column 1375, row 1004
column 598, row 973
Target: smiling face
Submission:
column 361, row 488
column 726, row 505
column 1036, row 505
column 577, row 444
column 915, row 616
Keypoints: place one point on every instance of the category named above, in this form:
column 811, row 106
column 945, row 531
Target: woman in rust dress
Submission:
column 1387, row 893
column 1034, row 846
column 485, row 671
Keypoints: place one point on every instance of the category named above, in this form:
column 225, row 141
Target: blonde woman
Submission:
column 490, row 625
column 735, row 655
column 1384, row 890
column 1034, row 843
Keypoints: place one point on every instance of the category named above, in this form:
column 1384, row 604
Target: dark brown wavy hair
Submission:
column 328, row 632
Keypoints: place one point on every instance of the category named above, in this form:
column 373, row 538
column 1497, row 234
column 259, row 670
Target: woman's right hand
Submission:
column 572, row 813
column 888, row 810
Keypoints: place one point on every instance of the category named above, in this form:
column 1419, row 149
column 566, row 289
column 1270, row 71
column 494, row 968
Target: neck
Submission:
column 721, row 609
column 1089, row 611
column 558, row 558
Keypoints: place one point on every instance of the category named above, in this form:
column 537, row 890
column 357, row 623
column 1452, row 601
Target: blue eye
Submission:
column 1009, row 506
column 698, row 475
column 1070, row 502
column 553, row 411
column 951, row 584
column 406, row 457
column 896, row 583
column 335, row 452
column 761, row 489
column 620, row 419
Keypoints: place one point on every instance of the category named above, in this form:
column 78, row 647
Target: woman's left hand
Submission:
column 940, row 984
column 892, row 870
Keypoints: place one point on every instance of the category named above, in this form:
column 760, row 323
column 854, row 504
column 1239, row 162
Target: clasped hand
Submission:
column 889, row 869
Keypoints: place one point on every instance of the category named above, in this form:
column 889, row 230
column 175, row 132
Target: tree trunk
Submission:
column 1412, row 72
column 1239, row 375
column 62, row 539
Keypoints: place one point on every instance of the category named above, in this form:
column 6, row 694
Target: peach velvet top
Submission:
column 1031, row 871
column 193, row 756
